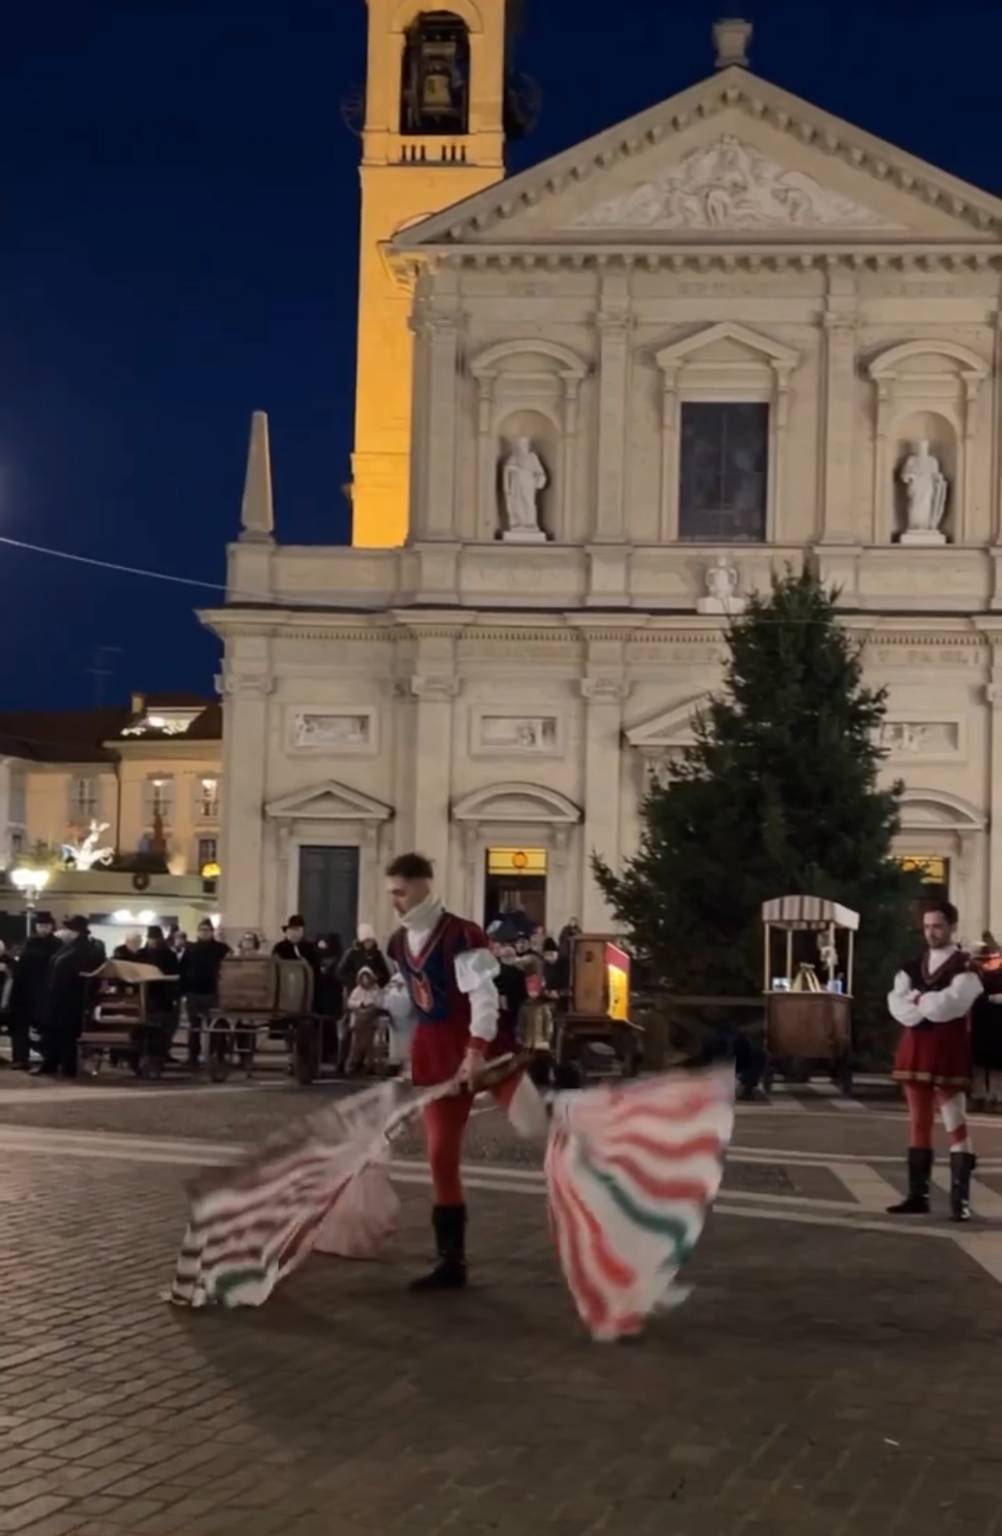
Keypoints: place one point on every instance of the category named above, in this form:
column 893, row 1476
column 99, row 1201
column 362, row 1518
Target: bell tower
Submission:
column 433, row 135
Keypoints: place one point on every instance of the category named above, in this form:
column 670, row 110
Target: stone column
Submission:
column 604, row 697
column 836, row 427
column 613, row 330
column 245, row 750
column 486, row 512
column 566, row 533
column 882, row 527
column 669, row 456
column 558, row 899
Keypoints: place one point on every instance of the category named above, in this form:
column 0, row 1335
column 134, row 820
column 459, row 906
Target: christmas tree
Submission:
column 778, row 795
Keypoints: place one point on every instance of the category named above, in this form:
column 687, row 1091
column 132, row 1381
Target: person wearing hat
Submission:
column 163, row 998
column 364, row 952
column 296, row 946
column 64, row 998
column 31, row 979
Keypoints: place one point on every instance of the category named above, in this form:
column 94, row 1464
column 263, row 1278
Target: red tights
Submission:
column 444, row 1124
column 922, row 1099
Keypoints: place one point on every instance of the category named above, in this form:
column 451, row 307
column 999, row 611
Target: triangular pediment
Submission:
column 328, row 801
column 733, row 159
column 669, row 728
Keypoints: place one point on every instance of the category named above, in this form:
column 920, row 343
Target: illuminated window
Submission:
column 932, row 869
column 516, row 861
column 207, row 799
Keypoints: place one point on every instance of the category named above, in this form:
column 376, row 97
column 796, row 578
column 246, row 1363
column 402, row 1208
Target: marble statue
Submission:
column 722, row 595
column 925, row 488
column 522, row 479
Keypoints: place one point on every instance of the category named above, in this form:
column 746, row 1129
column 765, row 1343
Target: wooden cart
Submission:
column 130, row 1013
column 595, row 1037
column 264, row 1009
column 808, row 954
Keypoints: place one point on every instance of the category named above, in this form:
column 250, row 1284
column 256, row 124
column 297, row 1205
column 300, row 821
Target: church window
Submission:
column 724, row 469
column 435, row 88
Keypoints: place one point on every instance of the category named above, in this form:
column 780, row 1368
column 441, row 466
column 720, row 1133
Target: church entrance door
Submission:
column 328, row 891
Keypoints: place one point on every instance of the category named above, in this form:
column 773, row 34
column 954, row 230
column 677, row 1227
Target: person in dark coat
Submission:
column 329, row 1000
column 364, row 952
column 296, row 946
column 65, row 995
column 162, row 999
column 200, row 966
column 31, row 980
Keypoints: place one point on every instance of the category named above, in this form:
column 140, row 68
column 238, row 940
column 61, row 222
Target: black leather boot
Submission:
column 449, row 1274
column 916, row 1202
column 962, row 1165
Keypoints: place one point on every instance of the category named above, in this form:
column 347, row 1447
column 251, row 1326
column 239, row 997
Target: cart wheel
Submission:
column 150, row 1068
column 843, row 1078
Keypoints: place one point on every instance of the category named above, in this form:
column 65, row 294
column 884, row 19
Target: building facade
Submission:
column 731, row 335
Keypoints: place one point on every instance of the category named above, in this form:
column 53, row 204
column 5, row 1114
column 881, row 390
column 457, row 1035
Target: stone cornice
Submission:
column 744, row 256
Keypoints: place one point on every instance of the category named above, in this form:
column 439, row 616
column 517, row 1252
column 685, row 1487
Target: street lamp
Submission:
column 31, row 883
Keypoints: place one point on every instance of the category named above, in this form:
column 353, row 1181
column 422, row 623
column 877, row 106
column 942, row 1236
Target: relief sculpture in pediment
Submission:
column 730, row 185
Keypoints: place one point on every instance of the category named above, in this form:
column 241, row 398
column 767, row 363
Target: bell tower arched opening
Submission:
column 435, row 79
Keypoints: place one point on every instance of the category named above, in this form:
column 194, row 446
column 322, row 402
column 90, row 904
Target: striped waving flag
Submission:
column 252, row 1225
column 631, row 1172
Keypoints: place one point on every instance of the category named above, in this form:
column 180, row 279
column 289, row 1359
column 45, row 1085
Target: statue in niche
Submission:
column 722, row 582
column 925, row 487
column 522, row 479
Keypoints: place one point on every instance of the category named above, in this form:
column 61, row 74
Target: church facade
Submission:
column 731, row 335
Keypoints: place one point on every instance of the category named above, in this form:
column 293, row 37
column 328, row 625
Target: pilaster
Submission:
column 245, row 688
column 603, row 689
column 434, row 686
column 835, row 452
column 613, row 322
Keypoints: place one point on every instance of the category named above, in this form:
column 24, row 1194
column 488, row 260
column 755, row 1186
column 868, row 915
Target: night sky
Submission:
column 180, row 205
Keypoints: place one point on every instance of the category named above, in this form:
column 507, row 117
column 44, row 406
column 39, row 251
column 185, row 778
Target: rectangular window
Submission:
column 84, row 801
column 724, row 465
column 208, row 851
column 207, row 798
column 159, row 797
column 18, row 804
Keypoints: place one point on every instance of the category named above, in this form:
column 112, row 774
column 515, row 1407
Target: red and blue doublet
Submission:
column 443, row 1011
column 938, row 1055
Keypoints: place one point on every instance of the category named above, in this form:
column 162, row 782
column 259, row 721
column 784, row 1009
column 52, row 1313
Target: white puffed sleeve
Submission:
column 951, row 1002
column 901, row 1004
column 475, row 973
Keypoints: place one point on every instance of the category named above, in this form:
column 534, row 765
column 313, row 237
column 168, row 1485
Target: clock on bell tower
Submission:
column 433, row 135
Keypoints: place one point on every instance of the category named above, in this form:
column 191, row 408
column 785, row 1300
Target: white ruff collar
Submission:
column 423, row 917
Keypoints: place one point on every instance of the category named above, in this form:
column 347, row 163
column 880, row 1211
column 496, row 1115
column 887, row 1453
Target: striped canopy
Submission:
column 808, row 912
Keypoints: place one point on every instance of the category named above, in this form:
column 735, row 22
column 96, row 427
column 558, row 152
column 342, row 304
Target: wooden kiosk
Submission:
column 596, row 1035
column 808, row 986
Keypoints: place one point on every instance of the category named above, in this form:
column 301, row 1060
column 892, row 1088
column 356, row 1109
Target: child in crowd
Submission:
column 365, row 1010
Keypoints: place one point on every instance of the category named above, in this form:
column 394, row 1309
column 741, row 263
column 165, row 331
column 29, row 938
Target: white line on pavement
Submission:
column 869, row 1188
column 984, row 1200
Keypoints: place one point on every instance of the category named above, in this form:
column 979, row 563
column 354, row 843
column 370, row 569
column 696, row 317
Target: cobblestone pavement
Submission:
column 831, row 1374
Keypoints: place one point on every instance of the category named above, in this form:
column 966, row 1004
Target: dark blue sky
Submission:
column 179, row 221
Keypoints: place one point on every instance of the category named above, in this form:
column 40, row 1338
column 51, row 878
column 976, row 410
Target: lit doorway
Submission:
column 515, row 885
column 934, row 872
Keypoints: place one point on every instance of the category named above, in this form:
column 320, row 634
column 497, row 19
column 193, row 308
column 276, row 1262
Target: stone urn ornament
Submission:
column 722, row 595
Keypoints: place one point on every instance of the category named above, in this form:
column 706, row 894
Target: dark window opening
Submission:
column 724, row 466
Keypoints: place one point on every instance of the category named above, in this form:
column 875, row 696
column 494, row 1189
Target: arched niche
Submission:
column 929, row 377
column 537, row 382
column 937, row 824
column 543, row 432
column 943, row 438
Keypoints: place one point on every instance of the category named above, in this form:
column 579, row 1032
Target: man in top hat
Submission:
column 296, row 946
column 79, row 955
column 31, row 980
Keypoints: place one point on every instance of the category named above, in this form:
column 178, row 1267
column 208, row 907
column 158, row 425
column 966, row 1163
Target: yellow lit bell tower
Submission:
column 433, row 135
